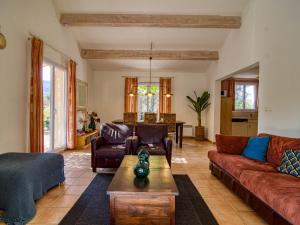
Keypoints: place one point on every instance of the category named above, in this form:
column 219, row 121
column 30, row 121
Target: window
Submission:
column 54, row 106
column 245, row 96
column 146, row 103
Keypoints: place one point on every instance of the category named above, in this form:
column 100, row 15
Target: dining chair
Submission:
column 150, row 117
column 130, row 118
column 170, row 120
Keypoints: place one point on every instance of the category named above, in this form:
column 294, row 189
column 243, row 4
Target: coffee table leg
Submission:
column 172, row 210
column 112, row 210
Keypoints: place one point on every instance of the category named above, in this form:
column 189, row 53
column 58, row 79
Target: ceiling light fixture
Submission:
column 2, row 40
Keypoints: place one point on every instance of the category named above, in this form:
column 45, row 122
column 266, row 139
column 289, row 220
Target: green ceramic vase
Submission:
column 141, row 170
column 144, row 155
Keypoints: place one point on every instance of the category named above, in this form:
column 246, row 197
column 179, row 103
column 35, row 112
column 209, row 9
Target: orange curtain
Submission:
column 130, row 101
column 72, row 133
column 165, row 87
column 36, row 97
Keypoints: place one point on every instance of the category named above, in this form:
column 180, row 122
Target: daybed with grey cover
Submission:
column 24, row 178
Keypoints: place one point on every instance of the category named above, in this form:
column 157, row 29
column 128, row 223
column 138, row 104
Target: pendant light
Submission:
column 131, row 94
column 167, row 89
column 168, row 94
column 149, row 93
column 2, row 40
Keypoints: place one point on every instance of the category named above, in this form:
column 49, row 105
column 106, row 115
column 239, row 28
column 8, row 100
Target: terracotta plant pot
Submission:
column 199, row 133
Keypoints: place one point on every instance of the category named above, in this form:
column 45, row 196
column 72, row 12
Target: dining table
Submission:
column 178, row 133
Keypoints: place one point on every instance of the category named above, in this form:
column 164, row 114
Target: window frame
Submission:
column 144, row 83
column 245, row 83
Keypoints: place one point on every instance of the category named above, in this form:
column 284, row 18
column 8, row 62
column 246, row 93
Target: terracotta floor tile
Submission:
column 46, row 201
column 75, row 190
column 251, row 218
column 69, row 181
column 65, row 201
column 49, row 215
column 82, row 181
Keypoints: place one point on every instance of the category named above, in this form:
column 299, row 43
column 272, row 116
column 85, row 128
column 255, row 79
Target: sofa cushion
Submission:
column 231, row 144
column 290, row 163
column 280, row 191
column 257, row 148
column 115, row 133
column 236, row 164
column 151, row 133
column 110, row 151
column 278, row 145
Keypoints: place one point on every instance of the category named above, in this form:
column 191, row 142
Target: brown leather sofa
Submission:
column 155, row 134
column 275, row 196
column 109, row 149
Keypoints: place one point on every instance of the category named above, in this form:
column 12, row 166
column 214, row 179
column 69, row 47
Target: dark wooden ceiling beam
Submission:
column 144, row 20
column 144, row 54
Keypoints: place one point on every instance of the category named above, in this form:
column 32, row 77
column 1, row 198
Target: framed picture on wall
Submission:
column 81, row 95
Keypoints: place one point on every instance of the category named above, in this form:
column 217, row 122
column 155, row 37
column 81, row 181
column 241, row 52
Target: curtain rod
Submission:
column 50, row 46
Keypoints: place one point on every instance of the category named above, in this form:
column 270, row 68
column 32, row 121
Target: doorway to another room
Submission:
column 54, row 106
column 239, row 103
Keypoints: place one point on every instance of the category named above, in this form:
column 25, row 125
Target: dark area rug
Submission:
column 92, row 208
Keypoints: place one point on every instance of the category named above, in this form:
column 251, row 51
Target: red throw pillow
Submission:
column 231, row 144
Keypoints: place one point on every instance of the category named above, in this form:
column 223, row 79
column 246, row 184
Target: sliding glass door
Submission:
column 55, row 107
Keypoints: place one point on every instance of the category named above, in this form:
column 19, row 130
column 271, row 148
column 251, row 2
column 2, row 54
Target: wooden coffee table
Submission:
column 139, row 201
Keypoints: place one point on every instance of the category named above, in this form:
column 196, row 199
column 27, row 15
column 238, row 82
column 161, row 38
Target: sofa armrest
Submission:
column 168, row 146
column 96, row 143
column 134, row 144
column 128, row 145
column 231, row 144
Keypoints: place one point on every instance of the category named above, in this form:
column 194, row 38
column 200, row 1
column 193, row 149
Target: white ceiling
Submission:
column 140, row 37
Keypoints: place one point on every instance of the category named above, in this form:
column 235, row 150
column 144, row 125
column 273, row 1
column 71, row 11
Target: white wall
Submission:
column 17, row 19
column 108, row 88
column 269, row 35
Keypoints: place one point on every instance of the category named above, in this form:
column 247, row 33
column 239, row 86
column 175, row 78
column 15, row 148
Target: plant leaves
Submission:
column 200, row 103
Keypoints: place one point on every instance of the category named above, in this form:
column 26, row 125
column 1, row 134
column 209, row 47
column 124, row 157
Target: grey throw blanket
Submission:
column 24, row 178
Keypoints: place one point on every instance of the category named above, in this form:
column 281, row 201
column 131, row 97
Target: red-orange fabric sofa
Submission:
column 275, row 196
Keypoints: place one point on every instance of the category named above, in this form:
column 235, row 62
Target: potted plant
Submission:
column 199, row 104
column 93, row 119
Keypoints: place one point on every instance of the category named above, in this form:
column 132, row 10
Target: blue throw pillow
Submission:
column 290, row 163
column 257, row 148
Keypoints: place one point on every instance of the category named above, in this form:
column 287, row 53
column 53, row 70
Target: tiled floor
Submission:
column 191, row 159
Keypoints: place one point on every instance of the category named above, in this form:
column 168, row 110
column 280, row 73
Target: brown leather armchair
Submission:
column 109, row 149
column 155, row 134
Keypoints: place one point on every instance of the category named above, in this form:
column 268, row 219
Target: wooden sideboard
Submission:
column 84, row 140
